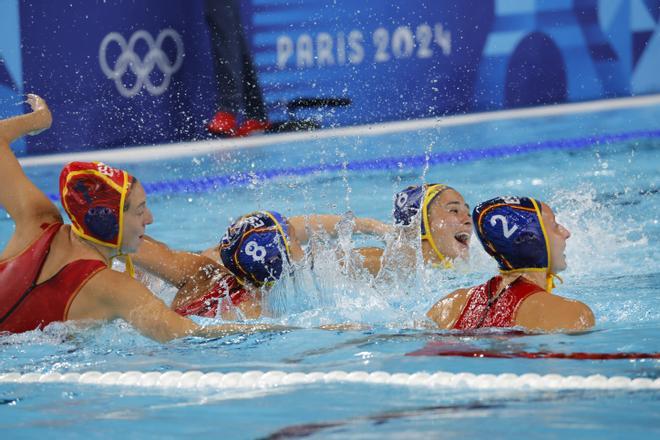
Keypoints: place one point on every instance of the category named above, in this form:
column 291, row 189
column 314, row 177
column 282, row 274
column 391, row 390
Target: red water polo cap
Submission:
column 93, row 194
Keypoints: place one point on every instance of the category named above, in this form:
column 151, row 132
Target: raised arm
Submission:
column 19, row 196
column 304, row 224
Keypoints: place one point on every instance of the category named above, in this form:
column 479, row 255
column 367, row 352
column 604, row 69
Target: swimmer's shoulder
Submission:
column 105, row 294
column 446, row 311
column 550, row 312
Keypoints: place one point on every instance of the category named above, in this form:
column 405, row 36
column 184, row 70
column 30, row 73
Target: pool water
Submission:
column 600, row 173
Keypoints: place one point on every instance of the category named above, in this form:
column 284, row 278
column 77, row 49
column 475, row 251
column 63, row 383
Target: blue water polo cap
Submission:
column 511, row 230
column 407, row 204
column 256, row 246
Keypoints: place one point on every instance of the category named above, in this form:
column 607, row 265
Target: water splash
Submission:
column 600, row 237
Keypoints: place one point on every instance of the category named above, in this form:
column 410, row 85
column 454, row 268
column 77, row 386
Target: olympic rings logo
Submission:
column 129, row 60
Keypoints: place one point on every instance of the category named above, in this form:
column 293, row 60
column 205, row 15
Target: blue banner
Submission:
column 421, row 58
column 391, row 60
column 135, row 72
column 118, row 73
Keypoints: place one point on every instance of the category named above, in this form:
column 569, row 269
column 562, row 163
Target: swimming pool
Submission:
column 599, row 170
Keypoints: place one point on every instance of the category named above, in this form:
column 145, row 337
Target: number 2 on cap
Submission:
column 505, row 225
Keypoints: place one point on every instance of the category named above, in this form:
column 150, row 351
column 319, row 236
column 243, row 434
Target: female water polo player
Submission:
column 54, row 272
column 446, row 226
column 257, row 249
column 522, row 235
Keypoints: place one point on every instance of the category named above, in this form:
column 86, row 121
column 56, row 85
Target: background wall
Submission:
column 367, row 61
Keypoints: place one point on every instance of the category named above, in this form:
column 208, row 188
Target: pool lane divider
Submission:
column 214, row 183
column 197, row 380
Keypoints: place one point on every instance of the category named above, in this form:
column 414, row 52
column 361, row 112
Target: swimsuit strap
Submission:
column 492, row 300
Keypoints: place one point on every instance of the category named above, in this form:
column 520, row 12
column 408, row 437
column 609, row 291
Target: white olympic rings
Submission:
column 128, row 59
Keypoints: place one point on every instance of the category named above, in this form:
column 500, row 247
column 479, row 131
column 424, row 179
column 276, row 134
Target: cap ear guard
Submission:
column 102, row 222
column 433, row 190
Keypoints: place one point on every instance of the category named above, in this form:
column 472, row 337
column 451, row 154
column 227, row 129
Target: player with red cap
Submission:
column 52, row 272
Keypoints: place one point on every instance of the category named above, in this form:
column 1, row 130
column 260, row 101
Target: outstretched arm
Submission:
column 213, row 253
column 110, row 295
column 192, row 274
column 19, row 196
column 304, row 224
column 175, row 267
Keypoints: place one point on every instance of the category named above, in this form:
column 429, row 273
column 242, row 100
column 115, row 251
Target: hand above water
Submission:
column 41, row 118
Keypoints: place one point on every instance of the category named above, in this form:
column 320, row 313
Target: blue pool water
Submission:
column 600, row 172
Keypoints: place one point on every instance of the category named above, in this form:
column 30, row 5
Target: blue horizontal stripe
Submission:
column 214, row 183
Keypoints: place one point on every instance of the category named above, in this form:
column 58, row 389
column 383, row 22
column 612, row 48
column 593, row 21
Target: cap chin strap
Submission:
column 549, row 276
column 130, row 268
column 550, row 281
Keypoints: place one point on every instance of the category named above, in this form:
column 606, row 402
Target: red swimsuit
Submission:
column 484, row 310
column 26, row 305
column 225, row 290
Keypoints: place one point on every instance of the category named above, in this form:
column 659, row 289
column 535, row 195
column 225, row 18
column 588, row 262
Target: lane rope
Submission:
column 271, row 379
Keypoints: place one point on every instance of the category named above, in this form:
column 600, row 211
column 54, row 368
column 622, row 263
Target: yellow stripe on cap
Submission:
column 548, row 278
column 281, row 231
column 431, row 192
